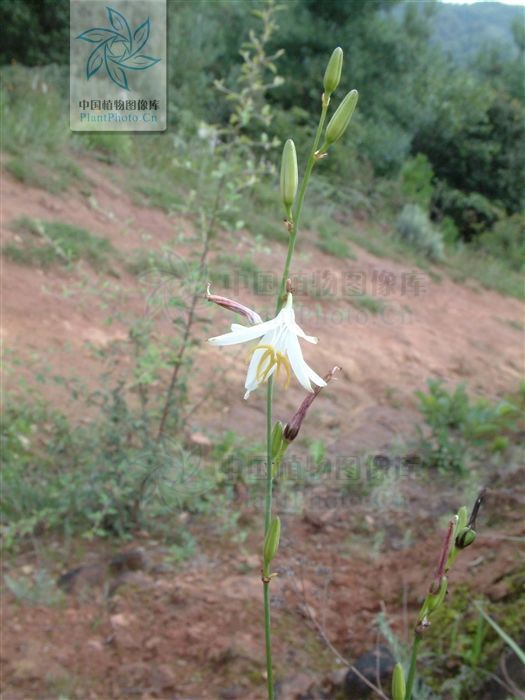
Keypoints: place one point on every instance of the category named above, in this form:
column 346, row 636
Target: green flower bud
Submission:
column 271, row 541
column 339, row 122
column 465, row 538
column 398, row 683
column 279, row 447
column 289, row 175
column 462, row 519
column 434, row 600
column 332, row 74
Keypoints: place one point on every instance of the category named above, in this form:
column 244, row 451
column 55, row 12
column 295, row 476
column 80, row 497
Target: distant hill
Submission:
column 462, row 30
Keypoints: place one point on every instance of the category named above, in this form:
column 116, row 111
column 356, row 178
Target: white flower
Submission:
column 278, row 350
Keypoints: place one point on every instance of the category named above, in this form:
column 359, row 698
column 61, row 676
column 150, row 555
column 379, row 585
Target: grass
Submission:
column 52, row 174
column 333, row 237
column 492, row 273
column 54, row 242
column 368, row 303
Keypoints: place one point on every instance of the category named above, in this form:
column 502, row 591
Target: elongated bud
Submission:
column 398, row 683
column 277, row 438
column 462, row 518
column 271, row 541
column 465, row 538
column 279, row 447
column 332, row 74
column 434, row 600
column 291, row 429
column 289, row 175
column 339, row 122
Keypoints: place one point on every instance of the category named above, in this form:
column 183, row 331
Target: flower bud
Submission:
column 291, row 429
column 398, row 683
column 279, row 447
column 462, row 518
column 465, row 538
column 339, row 122
column 332, row 74
column 434, row 600
column 289, row 175
column 271, row 541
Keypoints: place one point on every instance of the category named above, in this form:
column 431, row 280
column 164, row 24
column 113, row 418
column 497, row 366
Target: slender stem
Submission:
column 412, row 669
column 299, row 204
column 197, row 292
column 267, row 519
column 269, row 395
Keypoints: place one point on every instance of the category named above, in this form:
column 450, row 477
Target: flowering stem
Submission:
column 412, row 669
column 269, row 396
column 299, row 204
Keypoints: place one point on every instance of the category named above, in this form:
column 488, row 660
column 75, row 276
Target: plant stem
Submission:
column 412, row 669
column 196, row 295
column 269, row 395
column 299, row 205
column 267, row 519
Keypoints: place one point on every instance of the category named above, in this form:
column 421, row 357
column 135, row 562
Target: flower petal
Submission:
column 299, row 331
column 316, row 379
column 299, row 366
column 242, row 334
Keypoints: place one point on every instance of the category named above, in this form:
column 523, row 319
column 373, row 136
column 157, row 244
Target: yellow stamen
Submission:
column 268, row 360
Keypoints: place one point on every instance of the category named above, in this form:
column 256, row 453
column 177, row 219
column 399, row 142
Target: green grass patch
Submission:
column 52, row 174
column 368, row 303
column 54, row 242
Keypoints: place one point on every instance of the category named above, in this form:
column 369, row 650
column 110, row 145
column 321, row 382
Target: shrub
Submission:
column 416, row 180
column 461, row 429
column 414, row 228
column 506, row 240
column 471, row 212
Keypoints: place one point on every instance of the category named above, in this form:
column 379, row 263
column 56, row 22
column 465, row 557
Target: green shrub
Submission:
column 471, row 212
column 506, row 240
column 414, row 228
column 461, row 429
column 416, row 181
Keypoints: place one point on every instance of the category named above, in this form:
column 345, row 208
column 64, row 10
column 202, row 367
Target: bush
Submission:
column 471, row 212
column 461, row 429
column 416, row 181
column 506, row 240
column 414, row 227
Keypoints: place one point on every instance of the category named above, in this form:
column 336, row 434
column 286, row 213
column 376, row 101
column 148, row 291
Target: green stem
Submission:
column 299, row 205
column 269, row 396
column 412, row 669
column 267, row 519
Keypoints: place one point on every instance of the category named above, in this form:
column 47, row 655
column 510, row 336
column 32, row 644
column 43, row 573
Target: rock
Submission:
column 376, row 663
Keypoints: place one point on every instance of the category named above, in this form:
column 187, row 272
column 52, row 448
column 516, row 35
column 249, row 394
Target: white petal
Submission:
column 242, row 334
column 299, row 366
column 316, row 379
column 299, row 331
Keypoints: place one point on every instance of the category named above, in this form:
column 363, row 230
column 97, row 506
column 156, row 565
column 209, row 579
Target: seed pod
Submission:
column 271, row 541
column 332, row 74
column 339, row 122
column 289, row 175
column 465, row 538
column 398, row 683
